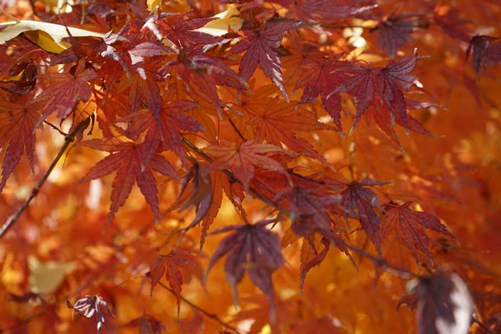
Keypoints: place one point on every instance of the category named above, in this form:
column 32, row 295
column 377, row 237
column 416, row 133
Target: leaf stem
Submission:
column 213, row 316
column 34, row 192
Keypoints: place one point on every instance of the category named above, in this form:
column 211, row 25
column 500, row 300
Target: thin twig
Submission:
column 34, row 192
column 397, row 271
column 481, row 325
column 213, row 316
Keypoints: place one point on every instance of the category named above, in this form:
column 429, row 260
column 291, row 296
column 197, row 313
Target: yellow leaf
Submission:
column 219, row 27
column 46, row 277
column 153, row 4
column 46, row 35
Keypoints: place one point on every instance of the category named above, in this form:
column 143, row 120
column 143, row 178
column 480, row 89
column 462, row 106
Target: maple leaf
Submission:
column 358, row 202
column 308, row 10
column 251, row 247
column 242, row 159
column 66, row 90
column 395, row 30
column 90, row 306
column 409, row 226
column 202, row 73
column 17, row 125
column 444, row 304
column 277, row 122
column 126, row 159
column 144, row 89
column 184, row 32
column 484, row 52
column 163, row 130
column 317, row 77
column 383, row 84
column 171, row 265
column 261, row 48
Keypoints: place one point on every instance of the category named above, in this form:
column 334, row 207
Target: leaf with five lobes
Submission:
column 410, row 225
column 184, row 32
column 277, row 122
column 172, row 266
column 164, row 131
column 66, row 90
column 385, row 83
column 320, row 77
column 242, row 159
column 17, row 136
column 251, row 247
column 126, row 159
column 261, row 49
column 358, row 202
column 395, row 30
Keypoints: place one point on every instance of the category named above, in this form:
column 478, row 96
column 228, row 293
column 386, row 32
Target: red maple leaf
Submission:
column 395, row 30
column 66, row 90
column 484, row 52
column 126, row 159
column 183, row 33
column 358, row 202
column 17, row 125
column 320, row 77
column 242, row 159
column 277, row 122
column 409, row 226
column 163, row 131
column 383, row 85
column 261, row 48
column 172, row 266
column 312, row 10
column 251, row 247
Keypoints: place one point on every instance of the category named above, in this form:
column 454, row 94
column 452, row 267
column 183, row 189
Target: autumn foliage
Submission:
column 247, row 166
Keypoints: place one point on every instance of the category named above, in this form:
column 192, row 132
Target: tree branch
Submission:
column 34, row 192
column 213, row 316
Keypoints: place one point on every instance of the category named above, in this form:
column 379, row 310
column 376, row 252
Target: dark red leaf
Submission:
column 261, row 48
column 251, row 247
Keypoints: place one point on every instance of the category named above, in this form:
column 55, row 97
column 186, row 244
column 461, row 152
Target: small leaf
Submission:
column 90, row 306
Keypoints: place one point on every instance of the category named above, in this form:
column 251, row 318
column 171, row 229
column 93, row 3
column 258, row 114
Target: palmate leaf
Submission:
column 358, row 202
column 17, row 136
column 126, row 159
column 277, row 122
column 242, row 159
column 395, row 30
column 261, row 48
column 320, row 77
column 65, row 91
column 313, row 10
column 251, row 247
column 410, row 225
column 173, row 265
column 383, row 85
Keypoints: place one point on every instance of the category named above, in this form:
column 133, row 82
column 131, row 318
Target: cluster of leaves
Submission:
column 248, row 99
